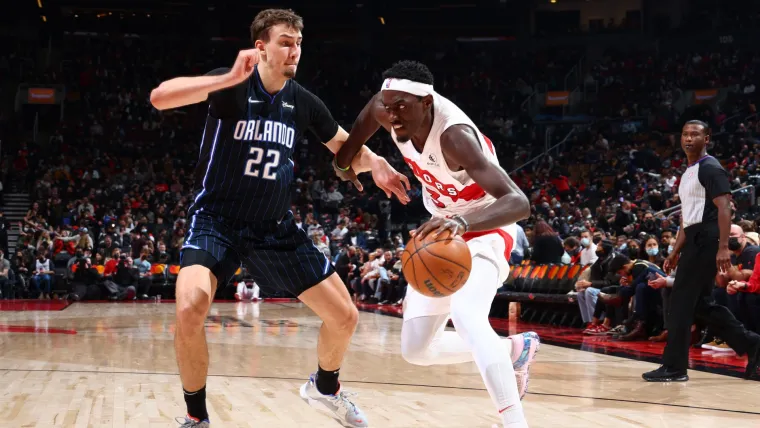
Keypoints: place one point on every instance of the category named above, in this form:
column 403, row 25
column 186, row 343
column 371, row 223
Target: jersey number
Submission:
column 258, row 157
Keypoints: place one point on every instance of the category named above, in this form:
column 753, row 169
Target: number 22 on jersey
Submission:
column 252, row 166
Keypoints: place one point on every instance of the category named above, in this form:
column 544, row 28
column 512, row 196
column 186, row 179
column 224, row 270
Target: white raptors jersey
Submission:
column 446, row 192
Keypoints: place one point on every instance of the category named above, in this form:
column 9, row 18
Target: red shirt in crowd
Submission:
column 110, row 267
column 561, row 183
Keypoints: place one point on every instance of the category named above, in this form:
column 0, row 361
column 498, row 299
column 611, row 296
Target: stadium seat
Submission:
column 520, row 279
column 536, row 276
column 513, row 273
column 158, row 274
column 172, row 273
column 549, row 277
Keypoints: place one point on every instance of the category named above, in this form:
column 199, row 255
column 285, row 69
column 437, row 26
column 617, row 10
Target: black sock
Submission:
column 196, row 403
column 327, row 381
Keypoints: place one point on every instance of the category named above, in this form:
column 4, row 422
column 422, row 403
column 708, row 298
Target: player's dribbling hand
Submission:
column 438, row 225
column 244, row 65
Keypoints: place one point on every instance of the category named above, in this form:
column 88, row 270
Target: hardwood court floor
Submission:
column 112, row 365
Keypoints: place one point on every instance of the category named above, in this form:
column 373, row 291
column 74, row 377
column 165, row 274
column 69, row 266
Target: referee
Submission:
column 703, row 247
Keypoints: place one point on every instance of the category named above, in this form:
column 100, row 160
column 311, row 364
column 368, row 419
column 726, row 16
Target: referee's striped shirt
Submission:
column 702, row 182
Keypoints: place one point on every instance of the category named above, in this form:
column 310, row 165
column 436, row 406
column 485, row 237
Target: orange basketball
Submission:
column 436, row 267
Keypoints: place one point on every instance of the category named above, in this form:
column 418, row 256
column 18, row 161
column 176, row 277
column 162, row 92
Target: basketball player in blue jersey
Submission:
column 240, row 213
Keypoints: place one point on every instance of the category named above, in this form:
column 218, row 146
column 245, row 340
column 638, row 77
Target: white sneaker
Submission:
column 338, row 406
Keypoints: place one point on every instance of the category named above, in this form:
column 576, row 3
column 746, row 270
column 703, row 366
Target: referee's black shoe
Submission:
column 666, row 374
column 753, row 360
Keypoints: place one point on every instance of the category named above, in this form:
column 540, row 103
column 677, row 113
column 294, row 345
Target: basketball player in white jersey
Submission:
column 468, row 194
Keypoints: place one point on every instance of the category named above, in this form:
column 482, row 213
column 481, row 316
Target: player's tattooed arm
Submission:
column 462, row 150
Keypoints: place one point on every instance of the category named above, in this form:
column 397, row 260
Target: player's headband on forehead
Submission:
column 408, row 86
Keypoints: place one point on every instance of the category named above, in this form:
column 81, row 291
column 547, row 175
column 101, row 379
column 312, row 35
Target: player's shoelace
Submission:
column 342, row 399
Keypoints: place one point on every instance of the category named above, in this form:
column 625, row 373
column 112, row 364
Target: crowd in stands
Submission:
column 624, row 292
column 112, row 185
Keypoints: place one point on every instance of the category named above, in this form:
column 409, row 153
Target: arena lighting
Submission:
column 382, row 20
column 39, row 4
column 552, row 1
column 44, row 18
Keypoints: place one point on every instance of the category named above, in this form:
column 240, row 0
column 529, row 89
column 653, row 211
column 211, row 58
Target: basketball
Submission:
column 436, row 267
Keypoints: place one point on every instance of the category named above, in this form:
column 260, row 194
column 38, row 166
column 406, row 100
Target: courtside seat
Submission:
column 542, row 292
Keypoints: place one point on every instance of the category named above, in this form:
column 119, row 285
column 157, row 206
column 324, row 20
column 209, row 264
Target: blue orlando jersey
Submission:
column 245, row 169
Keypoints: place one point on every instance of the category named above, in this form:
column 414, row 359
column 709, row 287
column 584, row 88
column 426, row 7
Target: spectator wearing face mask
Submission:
column 743, row 256
column 588, row 249
column 650, row 251
column 633, row 249
column 749, row 231
column 747, row 294
column 665, row 237
column 599, row 280
column 572, row 251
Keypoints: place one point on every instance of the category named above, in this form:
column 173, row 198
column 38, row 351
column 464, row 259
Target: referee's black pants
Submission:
column 692, row 298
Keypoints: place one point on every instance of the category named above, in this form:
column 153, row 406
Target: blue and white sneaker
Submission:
column 525, row 346
column 338, row 406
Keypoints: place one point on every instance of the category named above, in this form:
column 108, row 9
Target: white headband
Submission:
column 408, row 86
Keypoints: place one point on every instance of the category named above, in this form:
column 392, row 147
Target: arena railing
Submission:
column 677, row 208
column 545, row 153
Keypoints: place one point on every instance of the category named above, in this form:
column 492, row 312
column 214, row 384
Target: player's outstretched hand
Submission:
column 437, row 226
column 244, row 65
column 390, row 181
